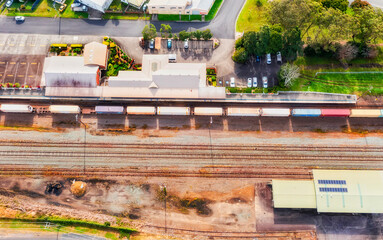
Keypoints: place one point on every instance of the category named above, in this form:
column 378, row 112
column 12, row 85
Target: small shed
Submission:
column 96, row 54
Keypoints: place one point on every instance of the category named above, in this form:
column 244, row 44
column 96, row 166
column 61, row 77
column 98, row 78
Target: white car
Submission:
column 255, row 82
column 268, row 57
column 9, row 3
column 249, row 82
column 20, row 19
column 186, row 44
column 264, row 80
column 232, row 82
column 279, row 57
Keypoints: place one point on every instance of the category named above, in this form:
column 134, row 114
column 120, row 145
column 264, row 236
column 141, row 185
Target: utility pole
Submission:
column 165, row 196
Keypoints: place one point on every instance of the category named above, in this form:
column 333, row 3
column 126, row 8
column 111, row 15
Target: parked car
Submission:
column 20, row 19
column 151, row 44
column 264, row 80
column 249, row 82
column 258, row 59
column 169, row 43
column 232, row 82
column 268, row 57
column 62, row 7
column 77, row 4
column 227, row 83
column 220, row 82
column 186, row 44
column 279, row 57
column 9, row 3
column 255, row 82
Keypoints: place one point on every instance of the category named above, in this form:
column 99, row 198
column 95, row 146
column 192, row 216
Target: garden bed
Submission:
column 211, row 76
column 66, row 50
column 118, row 60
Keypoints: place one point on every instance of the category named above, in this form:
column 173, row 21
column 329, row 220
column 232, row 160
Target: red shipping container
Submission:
column 335, row 112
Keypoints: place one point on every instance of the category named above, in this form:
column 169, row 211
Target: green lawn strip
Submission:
column 71, row 223
column 252, row 18
column 213, row 10
column 45, row 9
column 129, row 16
column 176, row 17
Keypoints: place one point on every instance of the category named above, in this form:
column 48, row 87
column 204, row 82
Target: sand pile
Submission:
column 78, row 188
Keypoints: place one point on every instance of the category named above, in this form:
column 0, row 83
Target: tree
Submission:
column 292, row 43
column 289, row 73
column 197, row 34
column 240, row 55
column 276, row 39
column 166, row 30
column 183, row 35
column 342, row 5
column 291, row 14
column 149, row 32
column 206, row 34
column 347, row 52
column 175, row 37
column 360, row 4
column 367, row 25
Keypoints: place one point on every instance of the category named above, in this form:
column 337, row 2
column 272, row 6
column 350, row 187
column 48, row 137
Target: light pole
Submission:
column 79, row 120
column 165, row 196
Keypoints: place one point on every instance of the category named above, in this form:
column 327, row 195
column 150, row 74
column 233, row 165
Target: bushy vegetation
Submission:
column 118, row 60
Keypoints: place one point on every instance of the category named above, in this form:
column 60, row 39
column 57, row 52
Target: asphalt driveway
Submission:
column 223, row 26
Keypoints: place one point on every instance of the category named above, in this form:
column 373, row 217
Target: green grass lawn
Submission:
column 213, row 10
column 126, row 16
column 45, row 9
column 252, row 18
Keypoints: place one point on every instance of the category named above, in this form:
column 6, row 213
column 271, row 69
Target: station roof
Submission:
column 294, row 194
column 349, row 191
column 95, row 54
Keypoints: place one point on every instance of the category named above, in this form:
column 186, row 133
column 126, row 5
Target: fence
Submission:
column 35, row 4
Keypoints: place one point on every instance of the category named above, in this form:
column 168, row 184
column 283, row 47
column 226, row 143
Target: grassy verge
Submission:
column 176, row 17
column 252, row 17
column 126, row 16
column 362, row 77
column 213, row 10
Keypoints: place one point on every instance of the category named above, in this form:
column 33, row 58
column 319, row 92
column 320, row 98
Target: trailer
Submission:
column 208, row 111
column 175, row 111
column 335, row 112
column 16, row 108
column 132, row 110
column 275, row 112
column 243, row 112
column 369, row 113
column 306, row 112
column 65, row 109
column 109, row 110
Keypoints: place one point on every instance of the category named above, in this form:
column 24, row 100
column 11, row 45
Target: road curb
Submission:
column 236, row 20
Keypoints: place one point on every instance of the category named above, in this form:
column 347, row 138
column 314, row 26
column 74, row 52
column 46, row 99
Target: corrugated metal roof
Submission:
column 294, row 194
column 95, row 54
column 349, row 191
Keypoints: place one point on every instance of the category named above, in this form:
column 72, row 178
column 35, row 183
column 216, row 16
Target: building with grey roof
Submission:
column 189, row 7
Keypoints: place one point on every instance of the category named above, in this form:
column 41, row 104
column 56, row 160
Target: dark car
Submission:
column 151, row 44
column 258, row 59
column 169, row 43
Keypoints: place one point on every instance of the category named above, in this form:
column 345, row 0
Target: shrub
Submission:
column 239, row 43
column 359, row 4
column 17, row 85
column 74, row 54
column 107, row 224
column 259, row 3
column 240, row 55
column 206, row 34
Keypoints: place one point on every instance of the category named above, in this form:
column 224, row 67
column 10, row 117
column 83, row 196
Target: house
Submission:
column 188, row 7
column 99, row 5
column 134, row 3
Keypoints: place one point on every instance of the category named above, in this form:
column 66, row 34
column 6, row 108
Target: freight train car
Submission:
column 304, row 112
column 369, row 113
column 174, row 111
column 137, row 110
column 65, row 109
column 335, row 112
column 243, row 112
column 16, row 108
column 275, row 112
column 208, row 111
column 109, row 110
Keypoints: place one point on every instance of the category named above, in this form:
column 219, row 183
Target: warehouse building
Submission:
column 189, row 7
column 162, row 79
column 332, row 191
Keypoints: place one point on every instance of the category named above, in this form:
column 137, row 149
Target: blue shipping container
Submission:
column 306, row 112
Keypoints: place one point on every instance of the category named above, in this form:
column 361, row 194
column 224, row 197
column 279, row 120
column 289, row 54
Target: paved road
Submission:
column 223, row 26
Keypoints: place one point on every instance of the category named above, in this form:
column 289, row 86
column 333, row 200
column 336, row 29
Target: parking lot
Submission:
column 22, row 69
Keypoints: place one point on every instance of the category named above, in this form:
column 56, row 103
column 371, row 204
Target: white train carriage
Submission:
column 208, row 111
column 137, row 110
column 275, row 112
column 173, row 111
column 16, row 108
column 109, row 109
column 369, row 113
column 243, row 112
column 65, row 109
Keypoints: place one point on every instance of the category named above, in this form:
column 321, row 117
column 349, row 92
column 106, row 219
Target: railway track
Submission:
column 97, row 155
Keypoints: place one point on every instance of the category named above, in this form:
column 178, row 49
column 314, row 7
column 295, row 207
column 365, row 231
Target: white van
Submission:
column 268, row 57
column 232, row 82
column 172, row 58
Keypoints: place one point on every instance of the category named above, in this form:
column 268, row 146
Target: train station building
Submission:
column 332, row 191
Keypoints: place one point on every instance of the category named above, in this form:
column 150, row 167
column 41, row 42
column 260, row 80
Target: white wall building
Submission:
column 99, row 5
column 193, row 7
